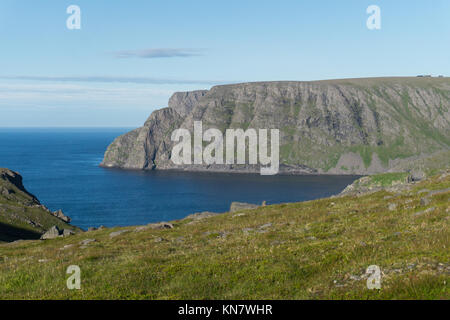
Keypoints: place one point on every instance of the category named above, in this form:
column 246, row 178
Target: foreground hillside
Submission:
column 311, row 250
column 349, row 126
column 21, row 214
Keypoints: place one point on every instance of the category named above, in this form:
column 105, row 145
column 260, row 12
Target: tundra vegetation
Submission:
column 311, row 250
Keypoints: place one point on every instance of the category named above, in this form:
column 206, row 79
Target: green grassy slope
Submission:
column 311, row 250
column 21, row 214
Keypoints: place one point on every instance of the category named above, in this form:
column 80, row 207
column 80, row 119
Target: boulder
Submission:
column 416, row 175
column 52, row 233
column 160, row 225
column 67, row 232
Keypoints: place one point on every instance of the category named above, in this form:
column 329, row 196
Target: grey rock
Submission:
column 417, row 175
column 160, row 225
column 265, row 226
column 239, row 215
column 117, row 233
column 425, row 201
column 420, row 213
column 67, row 232
column 52, row 233
column 90, row 229
column 238, row 206
column 86, row 242
column 67, row 246
column 392, row 206
column 141, row 228
column 439, row 192
column 60, row 215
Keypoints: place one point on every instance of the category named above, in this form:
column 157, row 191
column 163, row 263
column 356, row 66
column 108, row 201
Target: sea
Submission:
column 60, row 166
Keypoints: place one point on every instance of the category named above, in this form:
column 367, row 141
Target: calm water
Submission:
column 60, row 166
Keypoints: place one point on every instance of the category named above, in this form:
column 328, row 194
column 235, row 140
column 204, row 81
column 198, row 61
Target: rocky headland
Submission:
column 350, row 126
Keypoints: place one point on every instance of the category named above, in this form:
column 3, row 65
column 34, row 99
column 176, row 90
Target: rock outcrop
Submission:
column 353, row 126
column 22, row 216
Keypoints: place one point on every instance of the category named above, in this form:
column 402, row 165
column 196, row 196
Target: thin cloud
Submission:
column 159, row 53
column 113, row 79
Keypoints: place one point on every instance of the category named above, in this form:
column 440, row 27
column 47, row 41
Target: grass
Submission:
column 388, row 179
column 310, row 250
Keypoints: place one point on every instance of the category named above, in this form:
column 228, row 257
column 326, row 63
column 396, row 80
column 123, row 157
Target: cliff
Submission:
column 351, row 126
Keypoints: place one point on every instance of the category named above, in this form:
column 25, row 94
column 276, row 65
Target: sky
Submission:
column 129, row 57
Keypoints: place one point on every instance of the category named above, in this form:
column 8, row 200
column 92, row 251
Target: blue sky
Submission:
column 130, row 56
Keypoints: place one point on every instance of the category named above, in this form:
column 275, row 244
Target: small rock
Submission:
column 87, row 241
column 160, row 225
column 238, row 206
column 117, row 233
column 68, row 232
column 354, row 277
column 438, row 192
column 141, row 228
column 201, row 215
column 424, row 211
column 223, row 234
column 392, row 206
column 91, row 229
column 264, row 226
column 67, row 246
column 417, row 175
column 239, row 215
column 425, row 201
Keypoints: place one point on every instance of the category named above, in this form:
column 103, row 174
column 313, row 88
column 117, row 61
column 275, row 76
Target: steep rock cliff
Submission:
column 350, row 126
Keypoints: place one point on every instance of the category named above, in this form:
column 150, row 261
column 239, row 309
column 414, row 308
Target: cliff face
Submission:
column 354, row 126
column 22, row 216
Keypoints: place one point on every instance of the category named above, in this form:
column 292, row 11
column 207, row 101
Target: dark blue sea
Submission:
column 60, row 167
